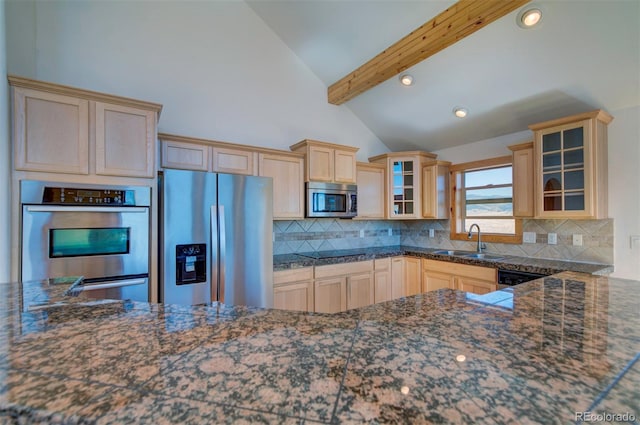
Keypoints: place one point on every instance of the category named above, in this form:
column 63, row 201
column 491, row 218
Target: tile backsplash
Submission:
column 291, row 236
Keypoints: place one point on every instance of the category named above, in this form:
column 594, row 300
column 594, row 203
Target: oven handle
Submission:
column 114, row 284
column 60, row 208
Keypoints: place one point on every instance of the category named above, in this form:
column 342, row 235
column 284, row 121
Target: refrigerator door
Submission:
column 186, row 248
column 245, row 216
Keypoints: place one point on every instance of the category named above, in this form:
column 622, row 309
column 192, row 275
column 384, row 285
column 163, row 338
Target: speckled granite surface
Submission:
column 539, row 352
column 506, row 262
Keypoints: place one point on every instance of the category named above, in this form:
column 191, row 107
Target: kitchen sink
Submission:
column 469, row 254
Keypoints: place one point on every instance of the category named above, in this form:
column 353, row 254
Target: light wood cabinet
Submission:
column 370, row 179
column 327, row 162
column 342, row 286
column 405, row 277
column 293, row 289
column 382, row 280
column 62, row 129
column 232, row 161
column 184, row 155
column 360, row 290
column 404, row 182
column 125, row 140
column 570, row 157
column 435, row 190
column 523, row 180
column 286, row 170
column 469, row 278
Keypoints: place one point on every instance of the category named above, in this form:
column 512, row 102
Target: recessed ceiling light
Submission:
column 529, row 17
column 406, row 79
column 460, row 112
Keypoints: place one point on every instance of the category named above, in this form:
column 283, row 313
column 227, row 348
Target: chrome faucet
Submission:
column 479, row 249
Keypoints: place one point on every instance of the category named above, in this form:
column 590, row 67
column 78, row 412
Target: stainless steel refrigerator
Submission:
column 215, row 238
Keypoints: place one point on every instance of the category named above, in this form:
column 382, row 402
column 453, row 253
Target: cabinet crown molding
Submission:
column 28, row 83
column 424, row 155
column 165, row 137
column 308, row 142
column 520, row 146
column 598, row 114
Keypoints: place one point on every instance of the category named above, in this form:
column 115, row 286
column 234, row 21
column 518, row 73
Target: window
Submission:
column 484, row 196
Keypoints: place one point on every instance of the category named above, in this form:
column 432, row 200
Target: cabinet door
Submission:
column 412, row 276
column 331, row 295
column 382, row 286
column 360, row 290
column 186, row 156
column 564, row 171
column 294, row 296
column 344, row 166
column 403, row 187
column 125, row 140
column 523, row 205
column 435, row 191
column 432, row 281
column 232, row 161
column 397, row 278
column 476, row 286
column 50, row 132
column 320, row 163
column 371, row 193
column 288, row 184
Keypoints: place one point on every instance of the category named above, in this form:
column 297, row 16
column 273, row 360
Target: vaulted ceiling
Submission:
column 584, row 55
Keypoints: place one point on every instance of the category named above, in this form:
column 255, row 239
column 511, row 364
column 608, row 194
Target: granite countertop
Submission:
column 506, row 262
column 540, row 352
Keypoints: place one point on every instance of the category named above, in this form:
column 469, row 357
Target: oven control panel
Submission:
column 103, row 197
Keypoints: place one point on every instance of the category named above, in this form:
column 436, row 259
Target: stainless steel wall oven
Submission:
column 99, row 232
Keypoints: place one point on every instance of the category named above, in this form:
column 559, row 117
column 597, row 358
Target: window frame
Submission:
column 457, row 203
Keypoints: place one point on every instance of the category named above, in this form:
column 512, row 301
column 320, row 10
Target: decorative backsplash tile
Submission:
column 323, row 234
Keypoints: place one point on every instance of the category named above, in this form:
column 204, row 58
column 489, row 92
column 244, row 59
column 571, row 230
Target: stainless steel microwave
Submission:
column 331, row 200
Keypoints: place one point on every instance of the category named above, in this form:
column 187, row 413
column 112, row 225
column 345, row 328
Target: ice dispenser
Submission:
column 191, row 263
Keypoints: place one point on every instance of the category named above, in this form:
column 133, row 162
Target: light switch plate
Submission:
column 577, row 240
column 362, row 233
column 529, row 237
column 390, row 231
column 552, row 238
column 432, row 233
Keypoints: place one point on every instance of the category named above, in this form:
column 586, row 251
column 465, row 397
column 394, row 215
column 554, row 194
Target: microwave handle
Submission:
column 350, row 203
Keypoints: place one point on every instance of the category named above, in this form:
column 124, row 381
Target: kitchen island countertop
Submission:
column 541, row 352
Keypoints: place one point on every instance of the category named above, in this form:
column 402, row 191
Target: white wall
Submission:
column 219, row 71
column 624, row 190
column 5, row 163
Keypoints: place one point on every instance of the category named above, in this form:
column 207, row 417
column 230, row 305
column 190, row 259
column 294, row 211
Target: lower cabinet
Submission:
column 405, row 277
column 339, row 287
column 382, row 280
column 293, row 289
column 444, row 274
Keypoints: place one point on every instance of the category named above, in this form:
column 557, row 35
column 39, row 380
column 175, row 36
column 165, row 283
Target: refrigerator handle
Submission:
column 215, row 291
column 222, row 253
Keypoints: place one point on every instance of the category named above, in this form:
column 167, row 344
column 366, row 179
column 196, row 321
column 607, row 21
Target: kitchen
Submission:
column 271, row 113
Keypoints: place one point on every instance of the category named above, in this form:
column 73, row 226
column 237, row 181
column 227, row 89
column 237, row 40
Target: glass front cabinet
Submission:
column 571, row 166
column 404, row 182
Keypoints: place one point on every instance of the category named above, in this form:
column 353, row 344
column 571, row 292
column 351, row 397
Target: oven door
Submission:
column 94, row 242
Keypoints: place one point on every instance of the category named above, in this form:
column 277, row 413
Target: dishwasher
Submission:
column 509, row 278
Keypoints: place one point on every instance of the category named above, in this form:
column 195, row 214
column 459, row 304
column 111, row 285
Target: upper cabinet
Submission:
column 285, row 168
column 570, row 157
column 523, row 180
column 327, row 162
column 435, row 190
column 371, row 190
column 60, row 129
column 404, row 182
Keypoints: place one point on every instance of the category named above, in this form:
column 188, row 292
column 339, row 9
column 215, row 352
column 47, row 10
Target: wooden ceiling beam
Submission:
column 458, row 21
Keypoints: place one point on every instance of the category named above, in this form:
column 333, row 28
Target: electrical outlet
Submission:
column 432, row 233
column 390, row 232
column 552, row 238
column 362, row 233
column 529, row 237
column 577, row 240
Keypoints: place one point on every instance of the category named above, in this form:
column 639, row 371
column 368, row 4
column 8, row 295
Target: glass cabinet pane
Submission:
column 397, row 167
column 553, row 202
column 574, row 180
column 574, row 159
column 573, row 138
column 408, row 208
column 403, row 180
column 574, row 201
column 408, row 166
column 551, row 162
column 408, row 194
column 408, row 180
column 551, row 182
column 551, row 142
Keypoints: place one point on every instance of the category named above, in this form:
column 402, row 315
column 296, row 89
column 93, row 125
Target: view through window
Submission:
column 487, row 200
